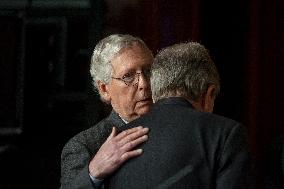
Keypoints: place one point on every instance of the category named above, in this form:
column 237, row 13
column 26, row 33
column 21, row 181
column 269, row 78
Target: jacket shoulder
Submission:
column 91, row 138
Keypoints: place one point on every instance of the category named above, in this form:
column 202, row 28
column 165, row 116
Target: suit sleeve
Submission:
column 74, row 166
column 234, row 169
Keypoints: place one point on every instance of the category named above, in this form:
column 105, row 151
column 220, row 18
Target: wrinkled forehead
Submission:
column 135, row 48
column 134, row 57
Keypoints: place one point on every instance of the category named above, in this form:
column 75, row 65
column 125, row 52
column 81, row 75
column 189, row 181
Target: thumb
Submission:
column 113, row 133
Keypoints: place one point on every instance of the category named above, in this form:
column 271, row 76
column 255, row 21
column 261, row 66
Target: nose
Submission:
column 143, row 81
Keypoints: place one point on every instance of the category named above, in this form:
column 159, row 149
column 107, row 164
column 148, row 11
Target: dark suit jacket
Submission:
column 274, row 164
column 79, row 151
column 187, row 149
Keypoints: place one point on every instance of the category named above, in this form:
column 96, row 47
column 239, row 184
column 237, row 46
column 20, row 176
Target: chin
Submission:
column 145, row 109
column 142, row 107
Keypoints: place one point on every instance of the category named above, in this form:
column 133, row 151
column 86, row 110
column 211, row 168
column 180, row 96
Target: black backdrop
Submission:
column 46, row 94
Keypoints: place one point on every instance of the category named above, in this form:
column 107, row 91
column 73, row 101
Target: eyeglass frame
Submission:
column 135, row 76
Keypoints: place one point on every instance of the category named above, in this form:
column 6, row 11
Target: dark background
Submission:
column 46, row 95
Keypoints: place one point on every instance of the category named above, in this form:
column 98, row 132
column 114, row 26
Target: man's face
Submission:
column 132, row 100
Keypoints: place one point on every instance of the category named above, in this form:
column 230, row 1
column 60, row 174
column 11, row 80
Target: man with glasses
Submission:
column 120, row 67
column 188, row 146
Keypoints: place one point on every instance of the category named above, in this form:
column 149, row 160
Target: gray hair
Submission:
column 105, row 51
column 184, row 69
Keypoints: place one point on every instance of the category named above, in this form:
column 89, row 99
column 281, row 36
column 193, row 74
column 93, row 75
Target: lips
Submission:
column 143, row 105
column 146, row 100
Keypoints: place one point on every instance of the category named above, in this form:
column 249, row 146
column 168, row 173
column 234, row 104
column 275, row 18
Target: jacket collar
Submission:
column 116, row 119
column 174, row 101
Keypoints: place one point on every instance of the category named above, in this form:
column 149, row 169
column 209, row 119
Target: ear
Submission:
column 209, row 99
column 104, row 91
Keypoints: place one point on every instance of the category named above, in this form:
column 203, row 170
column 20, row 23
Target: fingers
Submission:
column 127, row 132
column 116, row 150
column 133, row 136
column 112, row 134
column 132, row 144
column 131, row 154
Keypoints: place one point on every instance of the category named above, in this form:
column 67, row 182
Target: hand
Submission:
column 116, row 150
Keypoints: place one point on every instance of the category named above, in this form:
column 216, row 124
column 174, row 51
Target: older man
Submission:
column 188, row 147
column 120, row 68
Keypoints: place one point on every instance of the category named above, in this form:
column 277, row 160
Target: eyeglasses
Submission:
column 133, row 77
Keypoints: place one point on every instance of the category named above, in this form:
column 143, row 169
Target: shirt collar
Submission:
column 123, row 120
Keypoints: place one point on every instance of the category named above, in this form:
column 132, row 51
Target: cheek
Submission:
column 127, row 100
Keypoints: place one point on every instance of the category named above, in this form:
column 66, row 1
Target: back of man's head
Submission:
column 185, row 70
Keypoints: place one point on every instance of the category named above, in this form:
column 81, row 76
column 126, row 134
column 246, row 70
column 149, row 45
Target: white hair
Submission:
column 105, row 51
column 184, row 69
